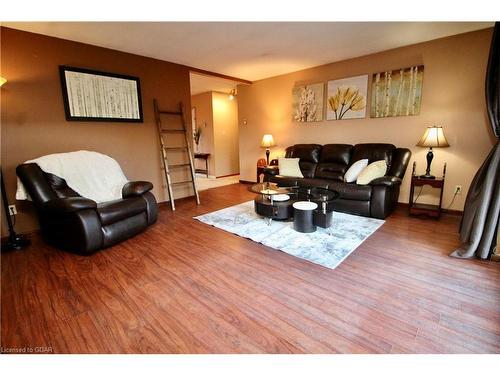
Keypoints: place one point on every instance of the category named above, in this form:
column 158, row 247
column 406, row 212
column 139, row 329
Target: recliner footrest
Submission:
column 111, row 212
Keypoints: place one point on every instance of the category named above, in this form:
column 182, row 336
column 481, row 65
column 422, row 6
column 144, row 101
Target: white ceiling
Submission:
column 251, row 50
column 202, row 83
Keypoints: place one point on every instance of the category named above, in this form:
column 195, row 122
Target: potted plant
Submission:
column 197, row 136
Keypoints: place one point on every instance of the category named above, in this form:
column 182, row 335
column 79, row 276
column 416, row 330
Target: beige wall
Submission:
column 218, row 117
column 453, row 97
column 225, row 134
column 33, row 121
column 204, row 119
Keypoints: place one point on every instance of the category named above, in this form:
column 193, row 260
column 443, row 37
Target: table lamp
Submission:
column 433, row 137
column 267, row 143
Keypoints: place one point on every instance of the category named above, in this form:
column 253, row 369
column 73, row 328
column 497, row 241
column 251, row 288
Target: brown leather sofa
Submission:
column 325, row 166
column 80, row 225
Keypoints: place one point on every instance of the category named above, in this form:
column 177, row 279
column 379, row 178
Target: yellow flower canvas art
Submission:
column 347, row 98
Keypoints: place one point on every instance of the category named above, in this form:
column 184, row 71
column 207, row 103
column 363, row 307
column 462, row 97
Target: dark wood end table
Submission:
column 203, row 156
column 261, row 168
column 432, row 210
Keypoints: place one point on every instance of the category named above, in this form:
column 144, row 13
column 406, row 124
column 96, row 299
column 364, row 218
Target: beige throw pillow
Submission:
column 371, row 172
column 289, row 167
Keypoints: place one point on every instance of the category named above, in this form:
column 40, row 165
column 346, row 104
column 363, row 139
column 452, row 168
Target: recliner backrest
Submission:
column 373, row 152
column 334, row 161
column 60, row 186
column 309, row 155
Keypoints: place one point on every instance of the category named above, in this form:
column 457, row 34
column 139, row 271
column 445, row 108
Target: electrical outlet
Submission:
column 458, row 189
column 12, row 210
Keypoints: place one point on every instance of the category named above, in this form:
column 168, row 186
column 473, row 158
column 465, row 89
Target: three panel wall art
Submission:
column 393, row 93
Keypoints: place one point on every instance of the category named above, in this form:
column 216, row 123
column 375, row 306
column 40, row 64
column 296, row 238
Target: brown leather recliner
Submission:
column 80, row 225
column 325, row 166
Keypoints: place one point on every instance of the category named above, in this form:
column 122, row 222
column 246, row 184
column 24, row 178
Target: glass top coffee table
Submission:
column 276, row 202
column 270, row 190
column 272, row 202
column 323, row 197
column 322, row 216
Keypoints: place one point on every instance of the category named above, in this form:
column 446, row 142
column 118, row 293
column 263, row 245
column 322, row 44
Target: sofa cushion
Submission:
column 351, row 191
column 305, row 152
column 305, row 182
column 373, row 152
column 331, row 171
column 308, row 169
column 346, row 191
column 336, row 153
column 113, row 211
column 333, row 161
column 309, row 155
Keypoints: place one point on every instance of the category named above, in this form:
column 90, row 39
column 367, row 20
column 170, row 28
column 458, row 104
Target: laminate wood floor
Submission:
column 186, row 287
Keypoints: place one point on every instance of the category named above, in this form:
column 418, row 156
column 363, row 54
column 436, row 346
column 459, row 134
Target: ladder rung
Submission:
column 175, row 148
column 181, row 182
column 175, row 113
column 173, row 131
column 183, row 149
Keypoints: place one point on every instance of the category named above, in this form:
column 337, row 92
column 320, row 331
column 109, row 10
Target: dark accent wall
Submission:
column 32, row 112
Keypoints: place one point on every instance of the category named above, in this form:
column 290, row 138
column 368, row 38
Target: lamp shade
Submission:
column 2, row 81
column 433, row 137
column 267, row 141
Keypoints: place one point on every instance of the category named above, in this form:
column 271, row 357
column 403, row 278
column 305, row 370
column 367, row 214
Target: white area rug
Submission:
column 327, row 247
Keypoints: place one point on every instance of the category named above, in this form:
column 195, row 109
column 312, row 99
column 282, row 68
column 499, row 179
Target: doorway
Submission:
column 214, row 122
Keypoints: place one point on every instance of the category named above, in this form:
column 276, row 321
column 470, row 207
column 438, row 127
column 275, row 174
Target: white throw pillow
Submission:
column 354, row 170
column 289, row 167
column 371, row 172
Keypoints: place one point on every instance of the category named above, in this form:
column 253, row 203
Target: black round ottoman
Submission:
column 303, row 216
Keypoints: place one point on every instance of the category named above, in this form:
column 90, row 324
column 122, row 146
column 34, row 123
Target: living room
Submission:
column 251, row 188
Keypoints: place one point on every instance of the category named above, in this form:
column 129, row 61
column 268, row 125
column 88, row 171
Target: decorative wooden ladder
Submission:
column 165, row 150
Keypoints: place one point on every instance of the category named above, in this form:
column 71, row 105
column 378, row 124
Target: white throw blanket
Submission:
column 91, row 174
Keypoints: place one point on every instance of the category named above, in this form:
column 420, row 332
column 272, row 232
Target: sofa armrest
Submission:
column 136, row 188
column 386, row 181
column 271, row 170
column 68, row 205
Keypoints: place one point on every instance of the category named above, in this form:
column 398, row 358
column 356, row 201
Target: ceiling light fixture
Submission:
column 232, row 94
